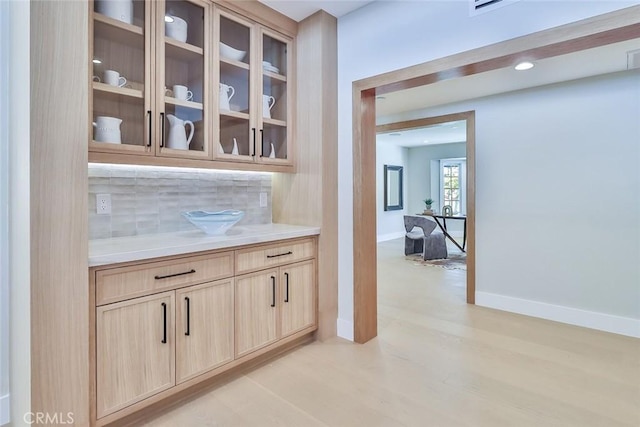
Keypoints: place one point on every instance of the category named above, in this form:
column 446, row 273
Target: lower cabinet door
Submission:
column 135, row 351
column 297, row 297
column 204, row 328
column 256, row 311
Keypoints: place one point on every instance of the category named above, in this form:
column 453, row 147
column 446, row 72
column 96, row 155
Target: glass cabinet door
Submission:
column 235, row 128
column 182, row 68
column 275, row 98
column 120, row 96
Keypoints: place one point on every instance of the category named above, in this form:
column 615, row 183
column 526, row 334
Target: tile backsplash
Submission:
column 149, row 200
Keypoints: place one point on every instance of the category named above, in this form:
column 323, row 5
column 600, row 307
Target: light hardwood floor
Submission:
column 436, row 362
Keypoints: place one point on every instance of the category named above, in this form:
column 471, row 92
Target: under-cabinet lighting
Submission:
column 96, row 61
column 168, row 18
column 115, row 166
column 524, row 66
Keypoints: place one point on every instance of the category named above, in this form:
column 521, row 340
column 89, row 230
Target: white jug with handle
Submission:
column 107, row 129
column 178, row 139
column 225, row 96
column 267, row 104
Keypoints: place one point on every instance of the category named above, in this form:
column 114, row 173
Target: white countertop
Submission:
column 136, row 248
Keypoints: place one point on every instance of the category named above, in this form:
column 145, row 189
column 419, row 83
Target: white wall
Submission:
column 4, row 212
column 390, row 224
column 385, row 36
column 19, row 213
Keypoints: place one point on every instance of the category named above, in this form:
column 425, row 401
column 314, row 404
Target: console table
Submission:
column 443, row 227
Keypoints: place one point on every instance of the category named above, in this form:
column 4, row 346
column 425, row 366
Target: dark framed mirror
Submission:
column 392, row 188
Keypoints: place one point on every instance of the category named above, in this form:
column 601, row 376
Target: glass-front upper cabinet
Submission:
column 235, row 125
column 182, row 86
column 120, row 95
column 275, row 114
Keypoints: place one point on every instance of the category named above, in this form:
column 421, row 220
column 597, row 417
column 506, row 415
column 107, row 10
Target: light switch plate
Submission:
column 263, row 200
column 103, row 204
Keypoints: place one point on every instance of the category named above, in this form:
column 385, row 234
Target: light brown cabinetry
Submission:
column 220, row 91
column 162, row 326
column 204, row 332
column 273, row 304
column 134, row 351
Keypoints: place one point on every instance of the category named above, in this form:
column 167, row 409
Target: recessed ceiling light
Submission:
column 426, row 141
column 168, row 18
column 96, row 61
column 524, row 66
column 395, row 134
column 380, row 97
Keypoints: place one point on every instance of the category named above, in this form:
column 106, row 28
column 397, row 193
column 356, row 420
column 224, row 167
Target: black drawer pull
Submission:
column 174, row 275
column 273, row 291
column 276, row 256
column 164, row 323
column 286, row 298
column 188, row 332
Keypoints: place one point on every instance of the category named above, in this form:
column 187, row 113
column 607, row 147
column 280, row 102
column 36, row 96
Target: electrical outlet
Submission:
column 263, row 200
column 103, row 204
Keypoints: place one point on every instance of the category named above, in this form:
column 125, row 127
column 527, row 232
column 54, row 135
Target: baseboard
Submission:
column 345, row 329
column 4, row 410
column 390, row 236
column 573, row 316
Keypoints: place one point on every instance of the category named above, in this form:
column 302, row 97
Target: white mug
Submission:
column 121, row 10
column 114, row 78
column 182, row 93
column 267, row 104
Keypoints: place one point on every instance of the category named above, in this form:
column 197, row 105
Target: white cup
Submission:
column 182, row 93
column 116, row 9
column 114, row 78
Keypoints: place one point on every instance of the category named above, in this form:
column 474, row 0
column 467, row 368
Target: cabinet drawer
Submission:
column 266, row 256
column 117, row 284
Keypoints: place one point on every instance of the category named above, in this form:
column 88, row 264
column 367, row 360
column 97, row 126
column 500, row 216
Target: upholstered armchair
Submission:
column 421, row 238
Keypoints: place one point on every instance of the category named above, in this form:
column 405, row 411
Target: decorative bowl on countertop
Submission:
column 214, row 223
column 231, row 53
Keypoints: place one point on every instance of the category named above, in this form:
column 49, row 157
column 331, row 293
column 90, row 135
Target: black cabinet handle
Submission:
column 150, row 128
column 284, row 254
column 188, row 316
column 162, row 130
column 286, row 295
column 253, row 130
column 174, row 275
column 261, row 143
column 164, row 321
column 273, row 291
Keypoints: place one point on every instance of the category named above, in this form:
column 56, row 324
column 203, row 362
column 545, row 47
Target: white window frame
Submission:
column 462, row 163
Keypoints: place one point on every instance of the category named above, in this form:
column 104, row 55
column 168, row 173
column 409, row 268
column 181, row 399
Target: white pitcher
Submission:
column 267, row 104
column 177, row 137
column 107, row 129
column 225, row 96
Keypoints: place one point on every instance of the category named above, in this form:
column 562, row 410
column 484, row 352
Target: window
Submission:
column 452, row 185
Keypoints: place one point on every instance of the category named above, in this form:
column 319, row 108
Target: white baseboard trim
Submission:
column 4, row 410
column 345, row 329
column 390, row 236
column 573, row 316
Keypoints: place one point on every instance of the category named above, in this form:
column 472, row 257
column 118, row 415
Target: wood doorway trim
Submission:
column 601, row 30
column 470, row 118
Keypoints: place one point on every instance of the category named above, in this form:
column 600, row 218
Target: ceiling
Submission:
column 590, row 62
column 300, row 9
column 442, row 133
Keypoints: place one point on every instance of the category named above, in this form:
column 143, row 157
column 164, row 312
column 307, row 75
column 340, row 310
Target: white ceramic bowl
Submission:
column 214, row 223
column 231, row 53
